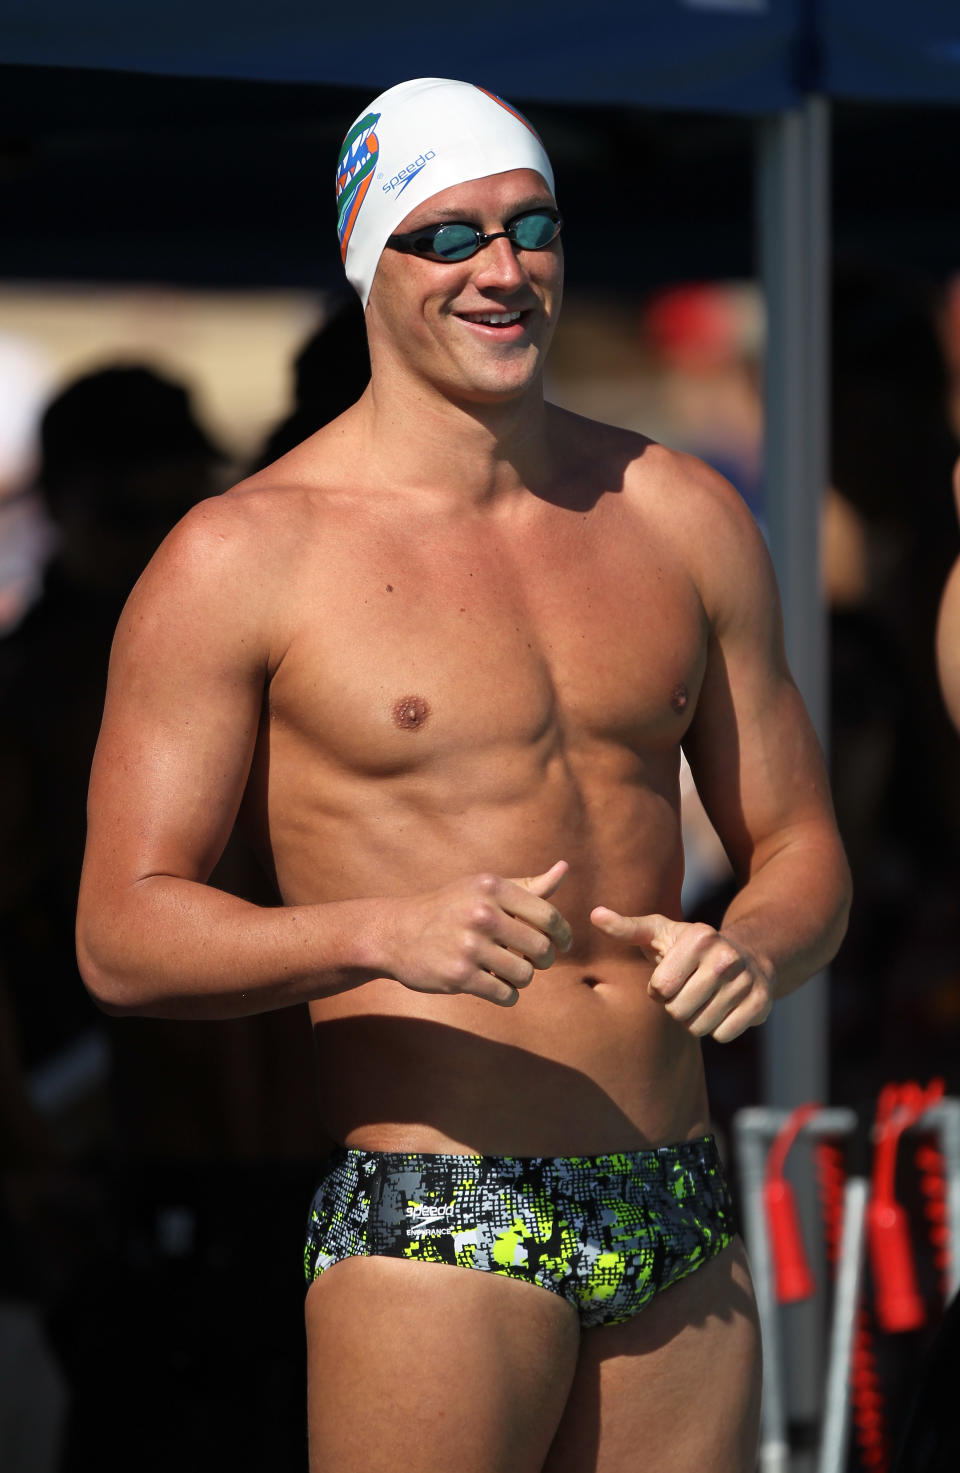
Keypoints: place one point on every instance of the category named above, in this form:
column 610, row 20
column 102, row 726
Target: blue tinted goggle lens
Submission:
column 533, row 232
column 457, row 242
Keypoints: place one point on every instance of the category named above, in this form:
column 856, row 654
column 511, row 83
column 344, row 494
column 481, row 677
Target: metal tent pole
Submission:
column 794, row 226
column 793, row 218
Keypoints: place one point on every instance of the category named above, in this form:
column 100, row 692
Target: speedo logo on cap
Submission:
column 400, row 181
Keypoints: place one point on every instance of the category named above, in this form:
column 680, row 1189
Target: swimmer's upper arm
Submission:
column 187, row 672
column 948, row 644
column 751, row 745
column 948, row 629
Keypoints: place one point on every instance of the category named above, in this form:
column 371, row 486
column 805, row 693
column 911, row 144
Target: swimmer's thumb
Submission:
column 545, row 884
column 650, row 933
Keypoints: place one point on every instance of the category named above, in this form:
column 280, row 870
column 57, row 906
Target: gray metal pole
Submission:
column 794, row 229
column 794, row 245
column 752, row 1135
column 836, row 1420
column 754, row 1129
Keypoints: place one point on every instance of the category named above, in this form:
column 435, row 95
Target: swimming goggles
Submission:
column 458, row 241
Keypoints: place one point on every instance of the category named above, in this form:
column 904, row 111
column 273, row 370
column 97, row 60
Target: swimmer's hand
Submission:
column 483, row 935
column 706, row 981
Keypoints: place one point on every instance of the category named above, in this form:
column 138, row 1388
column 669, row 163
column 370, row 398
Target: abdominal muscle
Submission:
column 585, row 1063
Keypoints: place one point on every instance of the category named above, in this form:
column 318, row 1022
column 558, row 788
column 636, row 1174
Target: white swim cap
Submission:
column 413, row 141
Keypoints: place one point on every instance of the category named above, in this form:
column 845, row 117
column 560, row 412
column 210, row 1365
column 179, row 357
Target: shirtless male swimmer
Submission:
column 456, row 638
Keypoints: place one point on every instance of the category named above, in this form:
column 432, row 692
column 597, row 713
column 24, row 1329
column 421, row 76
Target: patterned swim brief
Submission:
column 605, row 1232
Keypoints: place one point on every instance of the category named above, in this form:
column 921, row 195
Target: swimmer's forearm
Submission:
column 173, row 948
column 792, row 911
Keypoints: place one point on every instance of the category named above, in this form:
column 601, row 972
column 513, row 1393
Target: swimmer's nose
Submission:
column 499, row 265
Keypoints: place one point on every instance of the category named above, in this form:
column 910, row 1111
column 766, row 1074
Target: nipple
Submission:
column 410, row 713
column 679, row 698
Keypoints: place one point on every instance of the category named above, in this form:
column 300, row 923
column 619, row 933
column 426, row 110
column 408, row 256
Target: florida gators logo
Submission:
column 358, row 160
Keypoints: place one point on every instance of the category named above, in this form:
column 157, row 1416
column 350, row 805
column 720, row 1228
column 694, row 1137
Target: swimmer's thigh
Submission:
column 676, row 1388
column 434, row 1368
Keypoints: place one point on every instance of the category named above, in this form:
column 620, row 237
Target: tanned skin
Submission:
column 441, row 660
column 948, row 630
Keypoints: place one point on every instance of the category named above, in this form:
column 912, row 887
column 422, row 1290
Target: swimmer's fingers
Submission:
column 490, row 989
column 546, row 883
column 701, row 980
column 712, row 985
column 482, row 935
column 510, row 966
column 530, row 942
column 706, row 982
column 739, row 1004
column 653, row 934
column 527, row 900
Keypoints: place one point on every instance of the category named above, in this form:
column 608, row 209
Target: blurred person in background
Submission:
column 330, row 372
column 27, row 540
column 33, row 1389
column 890, row 538
column 930, row 1441
column 122, row 457
column 707, row 343
column 26, row 532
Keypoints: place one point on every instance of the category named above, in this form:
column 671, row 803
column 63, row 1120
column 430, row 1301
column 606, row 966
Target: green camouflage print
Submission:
column 605, row 1232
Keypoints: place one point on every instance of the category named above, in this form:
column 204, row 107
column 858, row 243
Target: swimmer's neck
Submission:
column 463, row 452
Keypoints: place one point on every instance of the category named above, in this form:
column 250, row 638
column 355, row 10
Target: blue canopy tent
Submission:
column 749, row 56
column 890, row 50
column 718, row 54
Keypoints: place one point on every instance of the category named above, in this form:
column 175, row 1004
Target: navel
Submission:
column 410, row 713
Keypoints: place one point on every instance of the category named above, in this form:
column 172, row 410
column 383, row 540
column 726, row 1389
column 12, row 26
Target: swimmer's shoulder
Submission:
column 235, row 566
column 679, row 499
column 680, row 487
column 713, row 533
column 270, row 522
column 253, row 526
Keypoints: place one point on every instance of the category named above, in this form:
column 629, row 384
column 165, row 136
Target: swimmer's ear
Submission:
column 545, row 884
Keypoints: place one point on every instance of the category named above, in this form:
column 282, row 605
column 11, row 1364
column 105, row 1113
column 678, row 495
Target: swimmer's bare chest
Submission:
column 484, row 695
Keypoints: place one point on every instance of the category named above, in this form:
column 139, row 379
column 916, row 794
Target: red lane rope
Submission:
column 793, row 1279
column 897, row 1299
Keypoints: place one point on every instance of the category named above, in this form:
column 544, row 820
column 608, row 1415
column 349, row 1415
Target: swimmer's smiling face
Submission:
column 428, row 317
